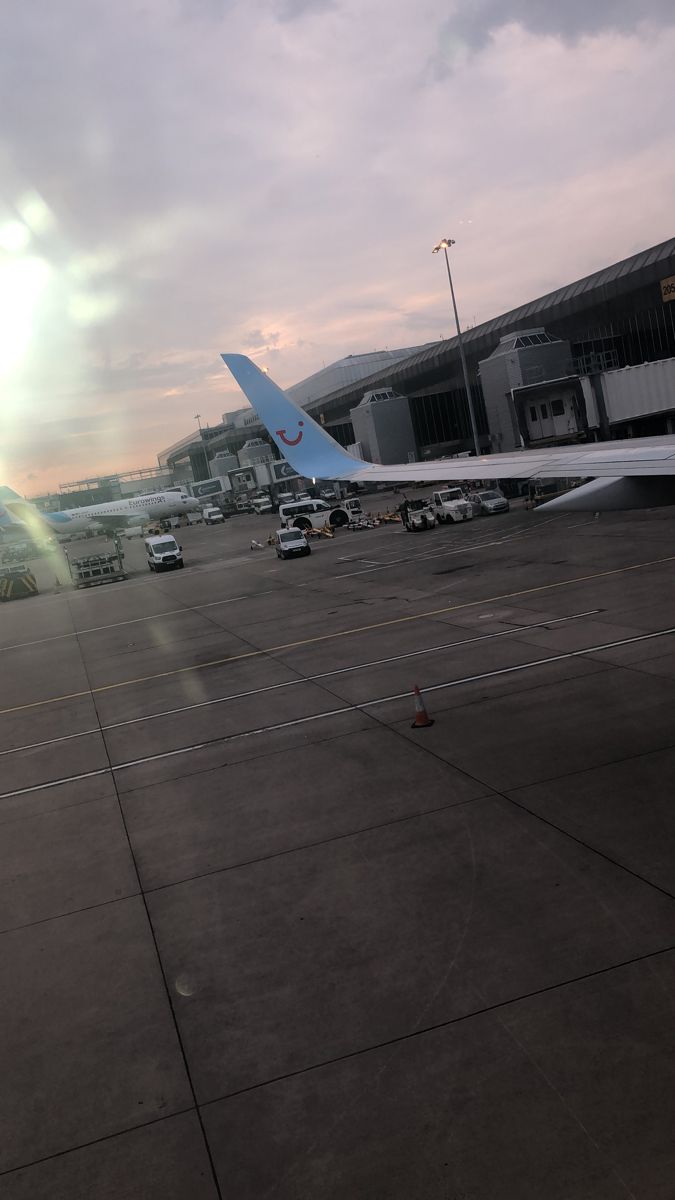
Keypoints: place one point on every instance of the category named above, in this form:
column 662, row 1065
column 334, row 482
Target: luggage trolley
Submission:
column 98, row 568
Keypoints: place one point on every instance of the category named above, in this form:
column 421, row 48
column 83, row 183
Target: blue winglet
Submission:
column 302, row 442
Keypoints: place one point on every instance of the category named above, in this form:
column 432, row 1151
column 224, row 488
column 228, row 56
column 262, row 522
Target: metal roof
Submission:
column 523, row 339
column 442, row 358
column 649, row 266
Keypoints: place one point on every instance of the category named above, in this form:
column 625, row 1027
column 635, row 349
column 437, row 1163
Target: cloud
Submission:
column 258, row 339
column 291, row 10
column 474, row 22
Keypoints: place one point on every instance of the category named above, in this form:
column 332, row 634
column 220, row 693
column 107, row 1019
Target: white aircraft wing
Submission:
column 312, row 452
column 572, row 462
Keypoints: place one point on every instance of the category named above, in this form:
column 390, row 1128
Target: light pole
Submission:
column 444, row 245
column 204, row 450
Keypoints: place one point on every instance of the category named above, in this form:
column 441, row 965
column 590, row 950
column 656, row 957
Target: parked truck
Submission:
column 262, row 504
column 212, row 515
column 450, row 504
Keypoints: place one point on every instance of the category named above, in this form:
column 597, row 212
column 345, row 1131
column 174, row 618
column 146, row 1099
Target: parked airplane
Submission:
column 636, row 473
column 16, row 511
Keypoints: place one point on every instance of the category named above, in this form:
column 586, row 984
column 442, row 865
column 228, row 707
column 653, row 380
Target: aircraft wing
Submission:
column 312, row 452
column 110, row 524
column 629, row 458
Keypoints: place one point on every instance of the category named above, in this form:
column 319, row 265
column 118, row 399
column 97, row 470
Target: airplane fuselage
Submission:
column 153, row 507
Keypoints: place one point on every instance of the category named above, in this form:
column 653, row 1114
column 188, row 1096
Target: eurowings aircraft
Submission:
column 14, row 510
column 636, row 473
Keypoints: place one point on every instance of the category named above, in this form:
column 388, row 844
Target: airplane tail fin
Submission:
column 6, row 518
column 15, row 511
column 302, row 442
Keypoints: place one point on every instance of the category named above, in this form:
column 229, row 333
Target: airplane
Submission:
column 15, row 511
column 627, row 474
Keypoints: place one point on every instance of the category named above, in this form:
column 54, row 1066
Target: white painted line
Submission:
column 425, row 556
column 41, row 787
column 66, row 737
column 171, row 612
column 273, row 687
column 186, row 609
column 346, row 708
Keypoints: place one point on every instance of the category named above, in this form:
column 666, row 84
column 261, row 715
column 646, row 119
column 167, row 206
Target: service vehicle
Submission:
column 417, row 515
column 450, row 504
column 17, row 552
column 313, row 514
column 195, row 518
column 212, row 515
column 98, row 568
column 544, row 491
column 262, row 504
column 163, row 552
column 289, row 542
column 17, row 582
column 285, row 498
column 243, row 505
column 489, row 502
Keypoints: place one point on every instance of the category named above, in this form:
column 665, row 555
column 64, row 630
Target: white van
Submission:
column 163, row 552
column 262, row 504
column 288, row 542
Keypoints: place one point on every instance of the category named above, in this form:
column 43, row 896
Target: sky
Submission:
column 182, row 177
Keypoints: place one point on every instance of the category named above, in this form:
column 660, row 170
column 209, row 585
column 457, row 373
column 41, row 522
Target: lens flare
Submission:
column 22, row 283
column 35, row 213
column 14, row 237
column 91, row 308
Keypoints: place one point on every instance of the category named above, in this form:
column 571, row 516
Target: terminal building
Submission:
column 101, row 489
column 587, row 362
column 591, row 361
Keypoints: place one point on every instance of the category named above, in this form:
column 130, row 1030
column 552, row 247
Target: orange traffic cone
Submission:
column 422, row 718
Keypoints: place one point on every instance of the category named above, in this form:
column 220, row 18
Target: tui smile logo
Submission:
column 290, row 441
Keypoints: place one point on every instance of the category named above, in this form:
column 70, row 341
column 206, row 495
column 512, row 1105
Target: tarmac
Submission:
column 261, row 938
